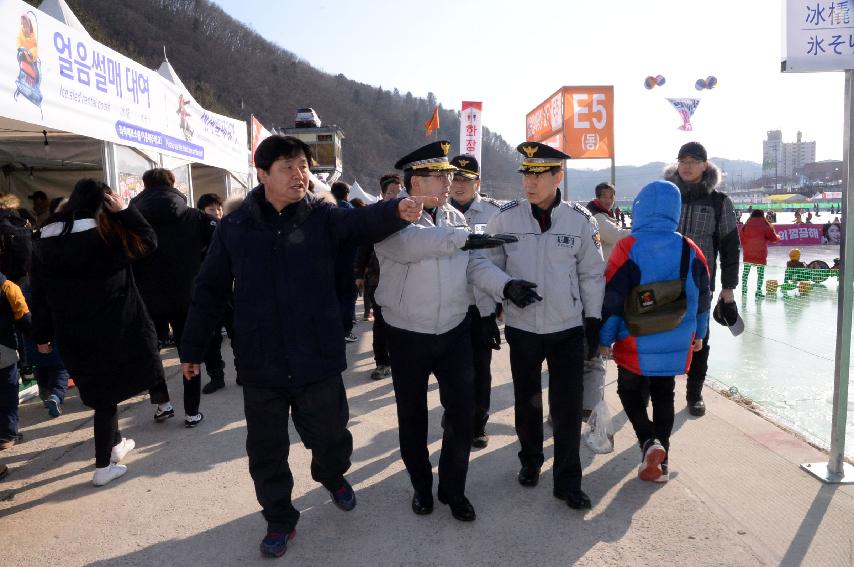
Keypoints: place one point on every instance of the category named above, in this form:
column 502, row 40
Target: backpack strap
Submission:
column 683, row 263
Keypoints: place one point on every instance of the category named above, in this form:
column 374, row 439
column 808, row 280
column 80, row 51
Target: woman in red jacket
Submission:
column 755, row 236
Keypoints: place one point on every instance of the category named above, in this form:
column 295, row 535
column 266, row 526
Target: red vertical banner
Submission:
column 471, row 137
column 259, row 133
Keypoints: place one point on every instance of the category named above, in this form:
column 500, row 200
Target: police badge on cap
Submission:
column 432, row 157
column 539, row 157
column 467, row 167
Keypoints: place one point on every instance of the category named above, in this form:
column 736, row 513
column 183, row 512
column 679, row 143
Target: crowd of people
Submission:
column 440, row 267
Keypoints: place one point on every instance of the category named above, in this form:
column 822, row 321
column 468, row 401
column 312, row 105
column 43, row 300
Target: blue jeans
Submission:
column 9, row 401
column 52, row 381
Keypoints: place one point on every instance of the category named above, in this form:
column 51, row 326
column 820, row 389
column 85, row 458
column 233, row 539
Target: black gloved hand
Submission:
column 591, row 335
column 521, row 293
column 479, row 241
column 491, row 334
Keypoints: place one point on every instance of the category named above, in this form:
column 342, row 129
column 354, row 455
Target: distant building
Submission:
column 785, row 159
column 828, row 172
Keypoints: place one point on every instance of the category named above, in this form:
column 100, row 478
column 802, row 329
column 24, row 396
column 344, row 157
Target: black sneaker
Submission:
column 351, row 338
column 192, row 421
column 10, row 441
column 480, row 439
column 162, row 415
column 275, row 544
column 344, row 497
column 213, row 386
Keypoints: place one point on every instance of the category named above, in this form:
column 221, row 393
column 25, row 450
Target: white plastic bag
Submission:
column 600, row 431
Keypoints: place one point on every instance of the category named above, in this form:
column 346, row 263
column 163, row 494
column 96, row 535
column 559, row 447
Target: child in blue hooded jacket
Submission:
column 653, row 253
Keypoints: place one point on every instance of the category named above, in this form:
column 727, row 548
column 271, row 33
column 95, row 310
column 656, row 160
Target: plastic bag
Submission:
column 600, row 431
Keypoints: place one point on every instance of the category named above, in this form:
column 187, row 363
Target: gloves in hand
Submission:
column 491, row 334
column 521, row 293
column 479, row 241
column 591, row 334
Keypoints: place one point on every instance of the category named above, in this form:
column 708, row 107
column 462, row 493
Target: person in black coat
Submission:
column 165, row 278
column 84, row 295
column 277, row 253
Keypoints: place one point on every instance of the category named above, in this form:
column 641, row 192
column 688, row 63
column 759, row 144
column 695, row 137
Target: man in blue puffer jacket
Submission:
column 653, row 253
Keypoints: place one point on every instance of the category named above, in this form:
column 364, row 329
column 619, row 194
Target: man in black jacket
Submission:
column 708, row 218
column 277, row 252
column 165, row 278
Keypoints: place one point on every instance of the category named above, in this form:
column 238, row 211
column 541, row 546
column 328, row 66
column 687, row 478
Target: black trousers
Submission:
column 482, row 361
column 159, row 393
column 320, row 415
column 448, row 356
column 630, row 388
column 380, row 334
column 697, row 371
column 214, row 365
column 564, row 353
column 107, row 434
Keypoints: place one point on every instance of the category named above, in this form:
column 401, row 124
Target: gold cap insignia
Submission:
column 530, row 150
column 463, row 162
column 445, row 148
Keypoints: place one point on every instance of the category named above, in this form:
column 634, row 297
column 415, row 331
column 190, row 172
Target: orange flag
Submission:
column 433, row 123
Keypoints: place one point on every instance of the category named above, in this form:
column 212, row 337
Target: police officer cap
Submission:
column 432, row 157
column 539, row 157
column 467, row 166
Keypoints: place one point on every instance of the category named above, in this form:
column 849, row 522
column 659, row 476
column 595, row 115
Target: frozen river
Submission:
column 784, row 361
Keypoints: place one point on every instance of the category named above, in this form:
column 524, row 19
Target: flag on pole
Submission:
column 433, row 123
column 685, row 107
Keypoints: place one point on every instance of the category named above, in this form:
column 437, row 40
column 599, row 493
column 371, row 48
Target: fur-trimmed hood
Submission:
column 711, row 179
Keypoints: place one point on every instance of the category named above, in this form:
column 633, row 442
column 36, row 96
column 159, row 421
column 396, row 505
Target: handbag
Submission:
column 656, row 307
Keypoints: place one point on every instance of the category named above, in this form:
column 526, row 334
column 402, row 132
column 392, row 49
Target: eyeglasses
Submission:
column 691, row 162
column 439, row 175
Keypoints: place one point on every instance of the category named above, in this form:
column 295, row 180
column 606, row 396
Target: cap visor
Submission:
column 737, row 328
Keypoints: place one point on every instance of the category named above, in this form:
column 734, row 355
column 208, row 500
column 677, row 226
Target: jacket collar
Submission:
column 711, row 179
column 256, row 201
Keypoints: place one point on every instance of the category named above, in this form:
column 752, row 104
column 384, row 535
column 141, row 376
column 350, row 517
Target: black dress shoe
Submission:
column 577, row 500
column 213, row 386
column 480, row 440
column 461, row 508
column 529, row 476
column 422, row 504
column 697, row 408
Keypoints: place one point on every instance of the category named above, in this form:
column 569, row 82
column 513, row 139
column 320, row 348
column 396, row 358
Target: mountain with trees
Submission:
column 232, row 70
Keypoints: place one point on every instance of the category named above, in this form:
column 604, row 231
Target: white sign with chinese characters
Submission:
column 819, row 36
column 470, row 125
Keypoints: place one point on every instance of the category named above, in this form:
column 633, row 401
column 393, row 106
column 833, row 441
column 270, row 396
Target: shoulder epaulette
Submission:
column 583, row 210
column 491, row 201
column 508, row 205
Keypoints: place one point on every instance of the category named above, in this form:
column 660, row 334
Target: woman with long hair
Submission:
column 85, row 296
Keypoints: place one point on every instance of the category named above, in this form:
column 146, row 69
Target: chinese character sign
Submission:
column 470, row 126
column 819, row 36
column 546, row 119
column 798, row 234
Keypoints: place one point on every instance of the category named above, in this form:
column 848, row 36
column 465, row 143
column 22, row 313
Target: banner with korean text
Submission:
column 799, row 235
column 471, row 138
column 58, row 78
column 579, row 121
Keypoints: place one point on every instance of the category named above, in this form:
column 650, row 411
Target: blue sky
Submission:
column 512, row 55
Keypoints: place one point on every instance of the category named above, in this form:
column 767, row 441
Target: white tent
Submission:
column 356, row 192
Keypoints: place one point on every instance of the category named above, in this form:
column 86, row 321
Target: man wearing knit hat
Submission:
column 708, row 218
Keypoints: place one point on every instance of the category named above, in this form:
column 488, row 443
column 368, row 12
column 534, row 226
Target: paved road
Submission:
column 736, row 496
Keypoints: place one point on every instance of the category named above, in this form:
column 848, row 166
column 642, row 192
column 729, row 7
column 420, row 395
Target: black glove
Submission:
column 591, row 334
column 478, row 241
column 521, row 292
column 491, row 334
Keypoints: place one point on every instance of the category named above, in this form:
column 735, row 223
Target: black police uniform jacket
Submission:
column 287, row 323
column 84, row 295
column 165, row 278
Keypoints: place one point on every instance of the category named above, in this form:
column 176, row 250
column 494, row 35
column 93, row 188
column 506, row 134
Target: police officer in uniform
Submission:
column 560, row 250
column 485, row 336
column 424, row 297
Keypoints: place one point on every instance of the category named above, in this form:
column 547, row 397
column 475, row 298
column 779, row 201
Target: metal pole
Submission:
column 837, row 471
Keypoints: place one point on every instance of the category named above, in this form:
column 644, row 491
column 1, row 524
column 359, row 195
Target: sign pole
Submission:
column 836, row 470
